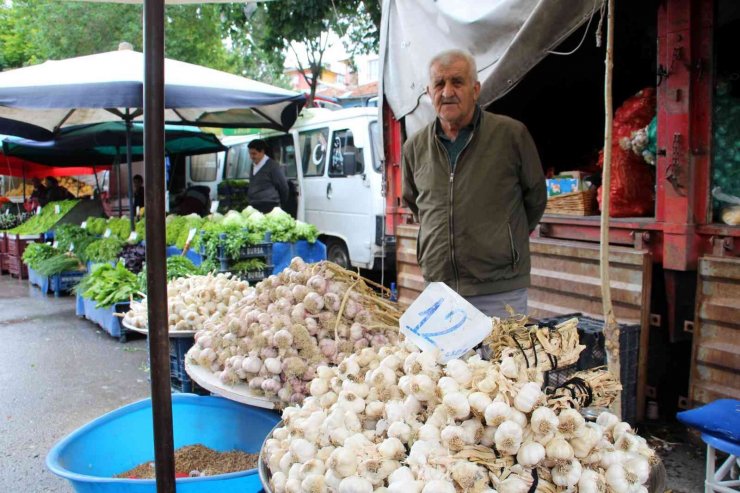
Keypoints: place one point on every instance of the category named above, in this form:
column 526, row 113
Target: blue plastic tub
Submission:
column 123, row 439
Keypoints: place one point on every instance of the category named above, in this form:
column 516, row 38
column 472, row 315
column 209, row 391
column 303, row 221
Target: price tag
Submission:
column 133, row 236
column 55, row 244
column 71, row 247
column 107, row 233
column 38, row 209
column 214, row 206
column 191, row 235
column 138, row 211
column 57, row 209
column 83, row 225
column 442, row 319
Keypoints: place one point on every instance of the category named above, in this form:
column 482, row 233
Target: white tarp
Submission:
column 506, row 37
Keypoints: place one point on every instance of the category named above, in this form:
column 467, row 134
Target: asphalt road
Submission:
column 59, row 372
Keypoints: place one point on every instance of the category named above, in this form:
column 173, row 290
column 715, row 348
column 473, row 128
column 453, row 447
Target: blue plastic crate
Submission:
column 106, row 318
column 36, row 279
column 283, row 253
column 64, row 282
column 179, row 378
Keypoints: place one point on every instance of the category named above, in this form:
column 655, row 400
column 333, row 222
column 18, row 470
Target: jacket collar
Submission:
column 474, row 123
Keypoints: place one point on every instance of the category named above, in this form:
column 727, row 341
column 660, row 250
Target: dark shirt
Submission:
column 56, row 193
column 454, row 148
column 139, row 198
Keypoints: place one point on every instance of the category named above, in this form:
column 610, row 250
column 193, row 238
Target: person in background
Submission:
column 268, row 187
column 39, row 191
column 474, row 182
column 138, row 192
column 55, row 192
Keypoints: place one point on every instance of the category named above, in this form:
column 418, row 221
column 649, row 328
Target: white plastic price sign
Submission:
column 107, row 233
column 38, row 209
column 57, row 209
column 83, row 225
column 71, row 247
column 442, row 319
column 133, row 236
column 214, row 206
column 191, row 235
column 55, row 244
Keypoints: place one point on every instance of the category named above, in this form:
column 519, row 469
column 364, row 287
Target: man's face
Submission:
column 453, row 92
column 255, row 155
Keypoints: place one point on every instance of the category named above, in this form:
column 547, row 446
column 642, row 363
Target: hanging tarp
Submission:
column 13, row 166
column 506, row 37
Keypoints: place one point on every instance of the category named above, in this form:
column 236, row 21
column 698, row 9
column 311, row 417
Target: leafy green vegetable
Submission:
column 63, row 262
column 249, row 265
column 36, row 253
column 120, row 227
column 107, row 285
column 43, row 222
column 104, row 249
column 96, row 225
column 141, row 229
column 71, row 234
column 177, row 266
column 190, row 223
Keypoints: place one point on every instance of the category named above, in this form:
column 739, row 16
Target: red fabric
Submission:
column 13, row 166
column 632, row 187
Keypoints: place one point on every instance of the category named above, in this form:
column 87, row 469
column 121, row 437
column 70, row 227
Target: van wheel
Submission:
column 337, row 252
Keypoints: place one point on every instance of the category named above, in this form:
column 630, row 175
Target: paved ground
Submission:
column 58, row 372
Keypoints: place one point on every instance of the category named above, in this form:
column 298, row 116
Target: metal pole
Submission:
column 156, row 271
column 131, row 209
column 611, row 329
column 118, row 182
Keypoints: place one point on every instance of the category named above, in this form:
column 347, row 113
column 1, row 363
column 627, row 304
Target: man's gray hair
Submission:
column 448, row 57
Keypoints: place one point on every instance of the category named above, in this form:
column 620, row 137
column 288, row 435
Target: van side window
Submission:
column 343, row 143
column 238, row 163
column 314, row 149
column 282, row 150
column 204, row 167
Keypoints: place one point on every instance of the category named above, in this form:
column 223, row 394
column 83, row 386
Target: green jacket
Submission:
column 475, row 222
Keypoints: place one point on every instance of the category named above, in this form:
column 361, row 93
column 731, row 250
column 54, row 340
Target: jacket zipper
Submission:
column 514, row 252
column 452, row 211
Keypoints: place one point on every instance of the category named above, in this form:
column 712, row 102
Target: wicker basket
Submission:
column 574, row 204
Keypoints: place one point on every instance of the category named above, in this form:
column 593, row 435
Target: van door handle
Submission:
column 328, row 191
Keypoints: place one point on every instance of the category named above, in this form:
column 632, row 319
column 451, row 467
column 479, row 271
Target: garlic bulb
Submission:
column 559, row 450
column 479, row 401
column 591, row 482
column 355, row 484
column 438, row 486
column 530, row 454
column 458, row 405
column 508, row 438
column 570, row 423
column 544, row 421
column 529, row 395
column 459, row 371
column 496, row 413
column 566, row 474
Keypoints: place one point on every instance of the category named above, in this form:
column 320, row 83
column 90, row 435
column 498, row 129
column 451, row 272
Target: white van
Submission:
column 333, row 161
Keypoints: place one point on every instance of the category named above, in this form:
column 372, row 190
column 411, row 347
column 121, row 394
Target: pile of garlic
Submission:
column 275, row 338
column 395, row 420
column 193, row 300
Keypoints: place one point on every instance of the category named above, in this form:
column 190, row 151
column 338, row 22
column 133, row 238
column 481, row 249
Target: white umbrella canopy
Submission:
column 36, row 101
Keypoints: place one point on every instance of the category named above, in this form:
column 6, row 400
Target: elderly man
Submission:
column 474, row 182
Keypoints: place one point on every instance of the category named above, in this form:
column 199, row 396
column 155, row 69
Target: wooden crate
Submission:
column 573, row 204
column 16, row 267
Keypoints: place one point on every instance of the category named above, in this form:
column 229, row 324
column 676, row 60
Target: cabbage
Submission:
column 249, row 210
column 233, row 218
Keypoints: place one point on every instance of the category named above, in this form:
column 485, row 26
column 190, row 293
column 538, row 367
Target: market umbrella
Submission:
column 38, row 101
column 103, row 143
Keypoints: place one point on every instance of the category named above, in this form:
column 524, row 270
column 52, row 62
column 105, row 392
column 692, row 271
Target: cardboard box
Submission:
column 559, row 186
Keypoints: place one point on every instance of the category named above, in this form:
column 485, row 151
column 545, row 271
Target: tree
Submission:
column 38, row 30
column 291, row 23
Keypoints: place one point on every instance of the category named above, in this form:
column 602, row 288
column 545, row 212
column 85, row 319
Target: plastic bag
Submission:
column 632, row 187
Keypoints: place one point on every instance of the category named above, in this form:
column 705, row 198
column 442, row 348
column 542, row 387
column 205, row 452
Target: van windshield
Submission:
column 238, row 163
column 203, row 167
